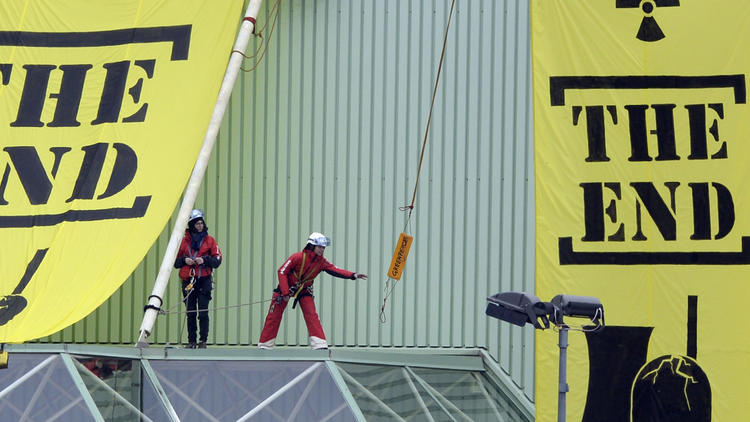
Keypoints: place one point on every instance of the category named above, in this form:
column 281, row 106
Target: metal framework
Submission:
column 291, row 384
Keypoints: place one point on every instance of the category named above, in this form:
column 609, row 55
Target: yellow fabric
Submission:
column 651, row 216
column 104, row 107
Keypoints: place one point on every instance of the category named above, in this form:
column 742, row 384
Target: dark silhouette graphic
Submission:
column 623, row 387
column 671, row 388
column 616, row 354
column 12, row 305
column 674, row 388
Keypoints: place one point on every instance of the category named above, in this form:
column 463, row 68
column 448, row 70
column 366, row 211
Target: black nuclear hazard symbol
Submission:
column 649, row 30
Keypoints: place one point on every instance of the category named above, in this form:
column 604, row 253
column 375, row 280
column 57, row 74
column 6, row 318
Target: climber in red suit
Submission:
column 296, row 277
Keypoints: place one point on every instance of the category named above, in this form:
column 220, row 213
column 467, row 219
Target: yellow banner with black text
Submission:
column 640, row 120
column 103, row 109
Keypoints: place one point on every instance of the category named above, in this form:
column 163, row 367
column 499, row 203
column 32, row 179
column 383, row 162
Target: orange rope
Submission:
column 410, row 207
column 389, row 287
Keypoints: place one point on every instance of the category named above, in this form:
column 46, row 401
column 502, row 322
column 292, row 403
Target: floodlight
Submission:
column 578, row 306
column 523, row 308
column 519, row 309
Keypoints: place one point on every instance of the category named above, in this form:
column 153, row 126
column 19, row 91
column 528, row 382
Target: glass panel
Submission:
column 123, row 377
column 152, row 405
column 506, row 408
column 226, row 390
column 437, row 412
column 48, row 394
column 463, row 390
column 390, row 386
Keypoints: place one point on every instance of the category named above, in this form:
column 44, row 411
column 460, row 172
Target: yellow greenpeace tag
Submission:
column 399, row 256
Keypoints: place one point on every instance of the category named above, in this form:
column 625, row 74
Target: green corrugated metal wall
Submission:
column 325, row 135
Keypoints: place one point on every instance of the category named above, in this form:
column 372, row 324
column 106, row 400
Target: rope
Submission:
column 184, row 300
column 388, row 286
column 168, row 312
column 259, row 33
column 410, row 207
column 186, row 312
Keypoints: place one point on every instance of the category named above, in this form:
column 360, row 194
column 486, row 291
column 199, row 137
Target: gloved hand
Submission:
column 360, row 275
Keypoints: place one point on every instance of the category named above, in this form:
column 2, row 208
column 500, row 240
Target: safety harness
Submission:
column 192, row 254
column 302, row 287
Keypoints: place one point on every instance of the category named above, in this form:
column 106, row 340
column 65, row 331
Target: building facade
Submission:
column 324, row 133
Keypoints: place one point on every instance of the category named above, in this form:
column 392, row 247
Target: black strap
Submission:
column 302, row 294
column 150, row 306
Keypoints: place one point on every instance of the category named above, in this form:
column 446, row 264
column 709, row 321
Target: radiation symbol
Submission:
column 649, row 30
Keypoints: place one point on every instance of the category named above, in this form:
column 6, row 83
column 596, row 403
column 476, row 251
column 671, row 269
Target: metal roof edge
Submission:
column 445, row 358
column 462, row 359
column 512, row 390
column 76, row 349
column 170, row 352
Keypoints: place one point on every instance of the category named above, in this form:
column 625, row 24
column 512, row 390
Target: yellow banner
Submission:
column 103, row 109
column 640, row 121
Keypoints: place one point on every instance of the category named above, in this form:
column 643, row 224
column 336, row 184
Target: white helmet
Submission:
column 318, row 239
column 195, row 214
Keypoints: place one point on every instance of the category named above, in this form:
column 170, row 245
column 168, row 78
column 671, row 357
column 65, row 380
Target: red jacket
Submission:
column 305, row 266
column 209, row 251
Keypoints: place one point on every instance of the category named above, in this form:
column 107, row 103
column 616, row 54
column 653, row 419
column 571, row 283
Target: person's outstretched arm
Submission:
column 342, row 273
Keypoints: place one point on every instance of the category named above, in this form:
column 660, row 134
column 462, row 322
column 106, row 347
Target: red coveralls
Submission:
column 297, row 273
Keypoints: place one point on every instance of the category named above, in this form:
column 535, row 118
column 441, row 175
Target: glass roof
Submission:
column 40, row 388
column 83, row 387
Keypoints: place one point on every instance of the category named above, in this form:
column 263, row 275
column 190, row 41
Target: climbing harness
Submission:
column 189, row 286
column 303, row 283
column 301, row 288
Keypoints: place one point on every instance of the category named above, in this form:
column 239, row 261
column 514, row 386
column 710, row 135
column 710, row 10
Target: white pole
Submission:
column 191, row 192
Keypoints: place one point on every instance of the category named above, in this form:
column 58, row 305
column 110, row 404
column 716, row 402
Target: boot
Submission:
column 190, row 345
column 202, row 345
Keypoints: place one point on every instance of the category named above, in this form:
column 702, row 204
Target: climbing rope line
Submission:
column 263, row 45
column 216, row 308
column 388, row 285
column 172, row 310
column 410, row 207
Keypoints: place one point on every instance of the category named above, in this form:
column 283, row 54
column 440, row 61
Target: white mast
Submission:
column 191, row 192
